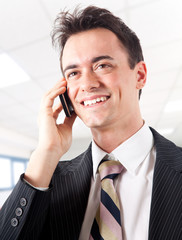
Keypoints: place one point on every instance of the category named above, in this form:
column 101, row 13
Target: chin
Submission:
column 93, row 122
column 94, row 119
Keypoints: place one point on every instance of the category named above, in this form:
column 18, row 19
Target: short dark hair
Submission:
column 67, row 24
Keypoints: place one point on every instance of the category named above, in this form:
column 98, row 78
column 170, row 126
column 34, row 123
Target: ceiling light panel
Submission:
column 11, row 73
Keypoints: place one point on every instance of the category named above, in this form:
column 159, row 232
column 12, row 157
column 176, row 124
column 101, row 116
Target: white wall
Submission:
column 15, row 144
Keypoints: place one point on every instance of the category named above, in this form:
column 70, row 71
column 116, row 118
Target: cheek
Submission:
column 122, row 86
column 72, row 91
column 116, row 83
column 112, row 80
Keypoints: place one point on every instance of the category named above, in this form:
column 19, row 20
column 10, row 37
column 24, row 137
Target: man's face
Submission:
column 101, row 85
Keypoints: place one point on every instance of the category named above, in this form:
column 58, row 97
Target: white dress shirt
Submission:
column 134, row 185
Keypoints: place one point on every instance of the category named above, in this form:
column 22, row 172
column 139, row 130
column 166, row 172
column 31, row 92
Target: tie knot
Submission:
column 109, row 169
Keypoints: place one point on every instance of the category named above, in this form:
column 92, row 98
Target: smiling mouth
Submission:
column 95, row 101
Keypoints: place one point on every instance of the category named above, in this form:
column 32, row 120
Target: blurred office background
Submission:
column 29, row 66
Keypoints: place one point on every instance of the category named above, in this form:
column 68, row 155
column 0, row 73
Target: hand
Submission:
column 54, row 139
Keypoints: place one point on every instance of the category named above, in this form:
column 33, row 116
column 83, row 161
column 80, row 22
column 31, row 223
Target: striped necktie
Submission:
column 107, row 223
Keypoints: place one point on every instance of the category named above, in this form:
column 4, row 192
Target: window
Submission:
column 5, row 173
column 10, row 170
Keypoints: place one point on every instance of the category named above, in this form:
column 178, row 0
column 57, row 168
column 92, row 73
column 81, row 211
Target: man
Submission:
column 104, row 72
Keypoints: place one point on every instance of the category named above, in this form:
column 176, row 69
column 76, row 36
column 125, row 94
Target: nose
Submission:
column 89, row 82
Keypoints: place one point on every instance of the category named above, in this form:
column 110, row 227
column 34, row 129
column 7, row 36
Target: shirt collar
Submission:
column 130, row 153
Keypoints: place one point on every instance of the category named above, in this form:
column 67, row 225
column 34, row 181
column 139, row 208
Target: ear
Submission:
column 141, row 74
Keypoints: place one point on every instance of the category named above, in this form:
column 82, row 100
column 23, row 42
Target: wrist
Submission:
column 41, row 167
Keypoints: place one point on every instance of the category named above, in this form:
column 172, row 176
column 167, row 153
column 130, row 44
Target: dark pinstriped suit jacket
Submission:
column 59, row 212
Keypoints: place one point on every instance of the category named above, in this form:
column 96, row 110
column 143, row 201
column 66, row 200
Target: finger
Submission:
column 70, row 120
column 56, row 110
column 59, row 84
column 48, row 98
column 54, row 92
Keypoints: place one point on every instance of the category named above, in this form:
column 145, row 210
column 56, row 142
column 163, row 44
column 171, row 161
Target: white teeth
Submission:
column 94, row 101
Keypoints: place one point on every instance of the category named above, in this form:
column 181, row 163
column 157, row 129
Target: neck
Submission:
column 109, row 138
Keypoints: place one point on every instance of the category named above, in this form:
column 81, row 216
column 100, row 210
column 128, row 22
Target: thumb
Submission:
column 70, row 120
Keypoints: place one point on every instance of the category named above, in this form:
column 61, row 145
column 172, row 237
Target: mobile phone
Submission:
column 66, row 103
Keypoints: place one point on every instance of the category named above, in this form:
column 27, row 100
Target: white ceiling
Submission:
column 25, row 28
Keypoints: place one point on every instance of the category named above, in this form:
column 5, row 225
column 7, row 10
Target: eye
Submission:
column 71, row 75
column 101, row 66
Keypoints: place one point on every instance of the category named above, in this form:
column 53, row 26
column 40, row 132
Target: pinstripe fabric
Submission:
column 166, row 207
column 56, row 214
column 73, row 183
column 8, row 211
column 43, row 215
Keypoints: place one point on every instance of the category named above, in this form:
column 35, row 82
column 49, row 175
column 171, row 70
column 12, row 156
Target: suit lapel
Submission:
column 166, row 208
column 71, row 183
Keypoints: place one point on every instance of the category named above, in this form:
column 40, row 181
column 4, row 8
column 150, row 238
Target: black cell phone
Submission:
column 66, row 103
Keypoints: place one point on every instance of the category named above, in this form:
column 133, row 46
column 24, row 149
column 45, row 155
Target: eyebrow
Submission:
column 94, row 60
column 72, row 66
